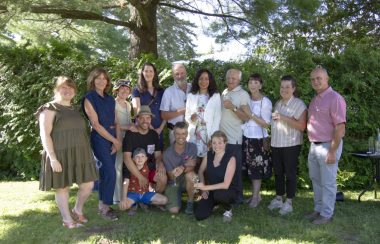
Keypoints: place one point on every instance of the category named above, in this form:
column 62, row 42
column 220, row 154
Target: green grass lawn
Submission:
column 28, row 215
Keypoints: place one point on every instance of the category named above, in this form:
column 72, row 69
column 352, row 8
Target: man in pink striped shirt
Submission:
column 326, row 128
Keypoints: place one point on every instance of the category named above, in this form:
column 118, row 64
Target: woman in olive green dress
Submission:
column 67, row 157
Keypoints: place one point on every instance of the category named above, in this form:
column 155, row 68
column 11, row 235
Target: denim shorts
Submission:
column 145, row 198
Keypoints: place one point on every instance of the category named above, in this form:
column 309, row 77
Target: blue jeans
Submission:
column 107, row 171
column 323, row 177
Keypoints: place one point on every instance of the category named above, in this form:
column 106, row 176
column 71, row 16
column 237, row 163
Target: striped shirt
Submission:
column 284, row 135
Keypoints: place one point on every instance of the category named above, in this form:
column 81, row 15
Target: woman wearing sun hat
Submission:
column 122, row 90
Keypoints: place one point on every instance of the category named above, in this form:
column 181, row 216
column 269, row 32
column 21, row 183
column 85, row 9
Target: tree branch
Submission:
column 3, row 9
column 223, row 16
column 80, row 14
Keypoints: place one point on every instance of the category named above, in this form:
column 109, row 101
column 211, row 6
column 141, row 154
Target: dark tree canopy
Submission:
column 155, row 26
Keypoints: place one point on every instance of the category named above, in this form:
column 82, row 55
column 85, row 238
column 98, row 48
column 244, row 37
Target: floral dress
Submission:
column 256, row 160
column 201, row 139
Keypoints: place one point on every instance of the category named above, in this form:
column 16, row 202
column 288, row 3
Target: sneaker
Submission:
column 322, row 220
column 189, row 208
column 227, row 216
column 286, row 208
column 132, row 211
column 312, row 215
column 275, row 203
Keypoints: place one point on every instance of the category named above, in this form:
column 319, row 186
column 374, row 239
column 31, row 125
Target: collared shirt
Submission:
column 104, row 107
column 283, row 135
column 326, row 110
column 172, row 159
column 134, row 184
column 230, row 122
column 174, row 98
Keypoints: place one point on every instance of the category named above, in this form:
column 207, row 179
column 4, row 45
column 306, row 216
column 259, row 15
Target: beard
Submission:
column 182, row 82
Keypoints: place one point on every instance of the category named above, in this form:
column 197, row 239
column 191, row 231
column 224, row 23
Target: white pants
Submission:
column 323, row 177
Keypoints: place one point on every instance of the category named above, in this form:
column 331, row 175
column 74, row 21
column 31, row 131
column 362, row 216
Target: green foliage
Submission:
column 26, row 76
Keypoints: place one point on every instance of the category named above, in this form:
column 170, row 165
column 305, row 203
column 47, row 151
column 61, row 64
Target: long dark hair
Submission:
column 142, row 83
column 212, row 88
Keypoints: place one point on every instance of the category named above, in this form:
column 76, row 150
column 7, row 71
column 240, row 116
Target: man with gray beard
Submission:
column 173, row 103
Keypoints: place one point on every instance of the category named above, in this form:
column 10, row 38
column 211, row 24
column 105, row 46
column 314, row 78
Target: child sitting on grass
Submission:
column 133, row 193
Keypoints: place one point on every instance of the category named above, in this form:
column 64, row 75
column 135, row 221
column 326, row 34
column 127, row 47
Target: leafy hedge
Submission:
column 26, row 82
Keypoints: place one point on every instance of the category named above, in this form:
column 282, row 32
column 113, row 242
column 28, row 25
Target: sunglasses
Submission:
column 124, row 83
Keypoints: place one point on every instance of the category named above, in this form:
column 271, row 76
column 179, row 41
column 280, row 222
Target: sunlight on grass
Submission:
column 247, row 239
column 28, row 215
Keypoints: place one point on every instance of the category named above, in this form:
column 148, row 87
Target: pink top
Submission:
column 326, row 110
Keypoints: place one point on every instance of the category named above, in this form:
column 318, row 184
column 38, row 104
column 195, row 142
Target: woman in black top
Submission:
column 217, row 179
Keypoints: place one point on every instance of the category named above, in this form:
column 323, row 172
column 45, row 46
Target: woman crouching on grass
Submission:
column 66, row 156
column 217, row 175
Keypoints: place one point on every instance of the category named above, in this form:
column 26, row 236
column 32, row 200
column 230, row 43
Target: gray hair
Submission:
column 234, row 70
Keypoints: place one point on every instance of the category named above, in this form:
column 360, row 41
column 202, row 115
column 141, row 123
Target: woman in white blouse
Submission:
column 203, row 110
column 256, row 159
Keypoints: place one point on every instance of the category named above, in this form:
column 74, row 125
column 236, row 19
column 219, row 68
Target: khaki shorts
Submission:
column 174, row 192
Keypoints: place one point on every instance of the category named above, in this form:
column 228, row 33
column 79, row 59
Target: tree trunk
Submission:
column 143, row 38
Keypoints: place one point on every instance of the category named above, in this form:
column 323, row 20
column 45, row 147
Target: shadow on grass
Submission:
column 353, row 223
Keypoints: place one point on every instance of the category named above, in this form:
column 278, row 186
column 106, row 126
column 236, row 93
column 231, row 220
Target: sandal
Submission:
column 71, row 225
column 109, row 214
column 255, row 202
column 79, row 217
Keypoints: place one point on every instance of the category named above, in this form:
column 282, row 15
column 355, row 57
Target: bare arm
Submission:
column 161, row 127
column 136, row 104
column 299, row 124
column 124, row 203
column 248, row 115
column 118, row 134
column 93, row 116
column 230, row 171
column 202, row 169
column 168, row 115
column 240, row 112
column 339, row 132
column 46, row 120
column 160, row 168
column 127, row 156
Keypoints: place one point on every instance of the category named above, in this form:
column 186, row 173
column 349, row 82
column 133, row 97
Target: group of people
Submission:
column 215, row 139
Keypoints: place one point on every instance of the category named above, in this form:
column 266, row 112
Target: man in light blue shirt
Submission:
column 173, row 103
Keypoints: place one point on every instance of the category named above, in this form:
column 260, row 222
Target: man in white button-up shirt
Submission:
column 173, row 103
